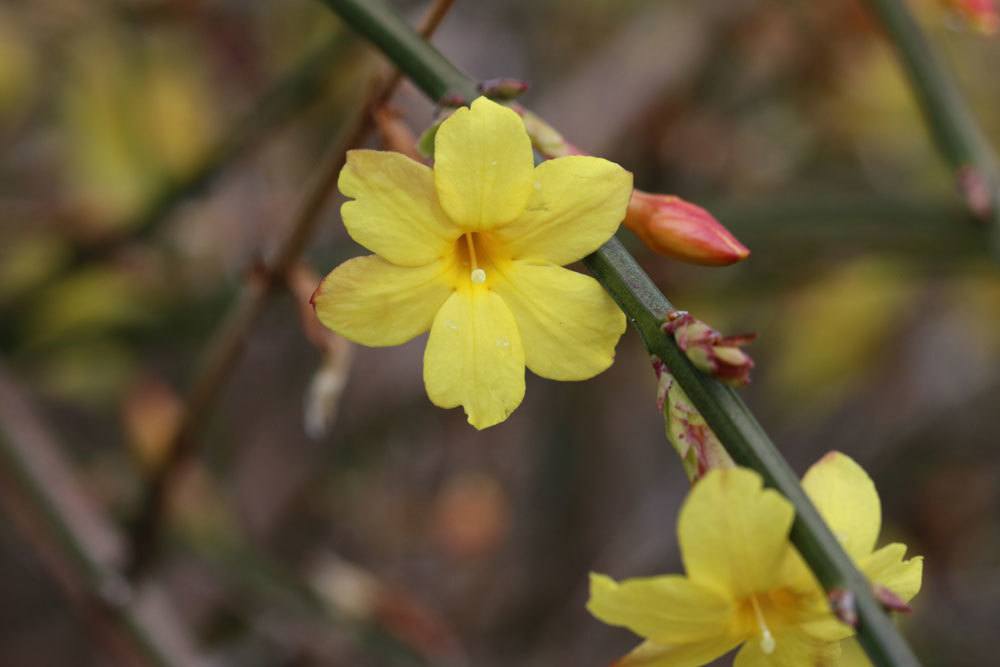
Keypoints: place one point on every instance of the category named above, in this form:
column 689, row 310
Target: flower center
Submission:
column 767, row 643
column 476, row 274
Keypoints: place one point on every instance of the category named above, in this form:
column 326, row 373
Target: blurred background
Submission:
column 154, row 152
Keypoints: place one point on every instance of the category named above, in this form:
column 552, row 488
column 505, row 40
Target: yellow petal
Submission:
column 474, row 357
column 568, row 323
column 395, row 212
column 372, row 302
column 852, row 655
column 886, row 567
column 649, row 654
column 483, row 165
column 828, row 629
column 667, row 610
column 791, row 649
column 846, row 497
column 576, row 205
column 733, row 533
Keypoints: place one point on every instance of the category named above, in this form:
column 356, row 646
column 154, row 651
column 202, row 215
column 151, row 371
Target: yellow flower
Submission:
column 473, row 251
column 746, row 584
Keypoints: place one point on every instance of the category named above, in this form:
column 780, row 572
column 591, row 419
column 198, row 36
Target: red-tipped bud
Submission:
column 670, row 226
column 503, row 89
column 710, row 351
column 982, row 15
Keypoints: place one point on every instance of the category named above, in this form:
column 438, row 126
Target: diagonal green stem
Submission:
column 646, row 307
column 954, row 128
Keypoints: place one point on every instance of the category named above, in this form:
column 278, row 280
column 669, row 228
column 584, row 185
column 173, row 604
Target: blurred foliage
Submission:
column 397, row 536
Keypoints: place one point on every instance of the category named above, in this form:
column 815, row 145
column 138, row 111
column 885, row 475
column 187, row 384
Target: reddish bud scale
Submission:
column 503, row 89
column 709, row 350
column 890, row 601
column 843, row 606
column 670, row 226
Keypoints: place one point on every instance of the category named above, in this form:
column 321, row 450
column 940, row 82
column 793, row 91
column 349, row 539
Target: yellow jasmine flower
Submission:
column 745, row 582
column 473, row 250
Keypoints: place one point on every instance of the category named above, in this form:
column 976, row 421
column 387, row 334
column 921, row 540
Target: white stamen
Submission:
column 767, row 643
column 478, row 276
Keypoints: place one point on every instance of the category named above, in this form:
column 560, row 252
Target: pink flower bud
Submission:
column 709, row 350
column 670, row 226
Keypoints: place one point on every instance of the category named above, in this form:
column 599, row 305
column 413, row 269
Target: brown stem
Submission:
column 228, row 341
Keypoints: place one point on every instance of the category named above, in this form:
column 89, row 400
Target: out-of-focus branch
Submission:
column 227, row 344
column 78, row 545
column 955, row 130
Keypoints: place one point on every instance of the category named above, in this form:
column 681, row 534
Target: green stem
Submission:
column 954, row 128
column 646, row 307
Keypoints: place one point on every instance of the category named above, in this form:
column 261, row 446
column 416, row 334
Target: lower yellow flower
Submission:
column 746, row 584
column 473, row 250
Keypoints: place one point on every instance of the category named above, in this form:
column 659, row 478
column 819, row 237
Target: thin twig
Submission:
column 953, row 126
column 228, row 341
column 646, row 308
column 78, row 544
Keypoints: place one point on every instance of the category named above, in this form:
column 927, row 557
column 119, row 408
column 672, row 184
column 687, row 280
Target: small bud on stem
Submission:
column 709, row 350
column 502, row 90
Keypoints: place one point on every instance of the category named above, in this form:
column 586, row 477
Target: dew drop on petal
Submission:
column 537, row 185
column 451, row 324
column 503, row 343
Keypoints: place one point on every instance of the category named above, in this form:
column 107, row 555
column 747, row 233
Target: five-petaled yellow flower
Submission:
column 473, row 250
column 747, row 585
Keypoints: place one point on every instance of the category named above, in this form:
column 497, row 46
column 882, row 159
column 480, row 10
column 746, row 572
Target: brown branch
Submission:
column 227, row 343
column 78, row 545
